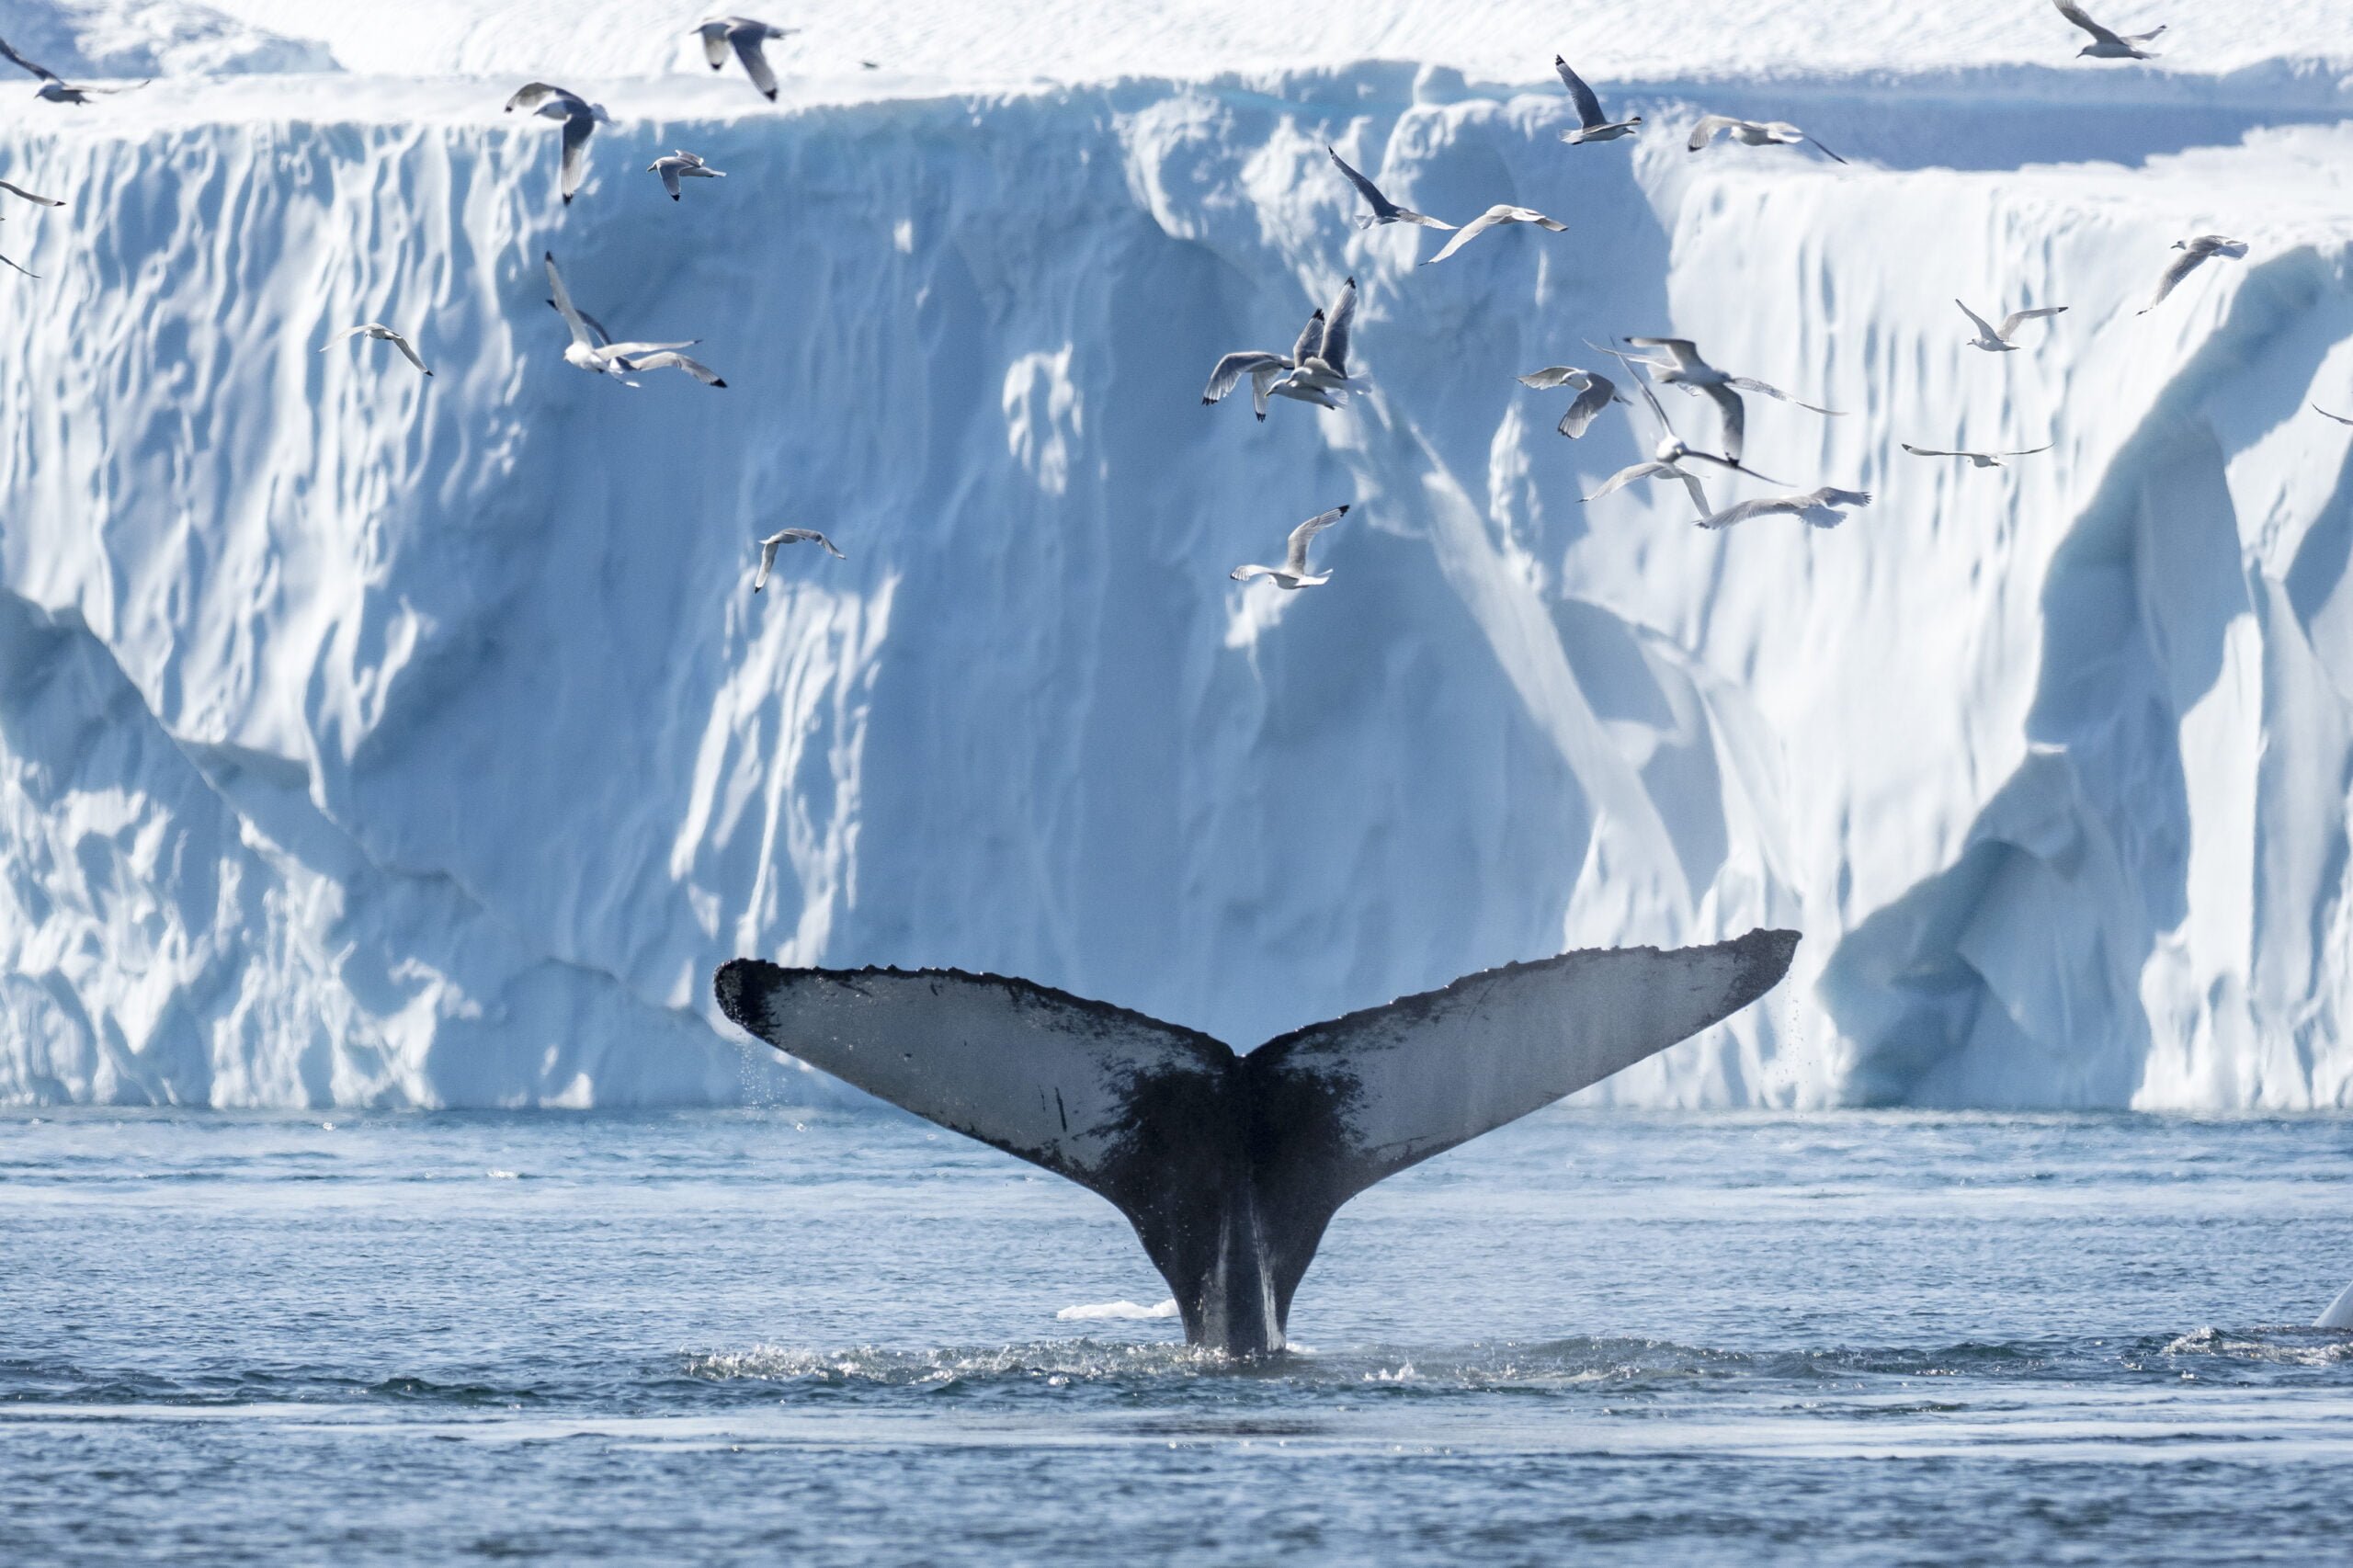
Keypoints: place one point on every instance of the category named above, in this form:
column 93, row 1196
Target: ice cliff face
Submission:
column 367, row 738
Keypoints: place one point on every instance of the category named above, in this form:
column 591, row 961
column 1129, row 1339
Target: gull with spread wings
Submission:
column 1494, row 217
column 1996, row 339
column 745, row 37
column 2105, row 45
column 1266, row 369
column 1383, row 209
column 592, row 350
column 54, row 88
column 382, row 334
column 1684, row 368
column 1669, row 456
column 779, row 539
column 1592, row 124
column 1754, row 134
column 2193, row 255
column 580, row 119
column 1293, row 571
column 1977, row 460
column 1593, row 394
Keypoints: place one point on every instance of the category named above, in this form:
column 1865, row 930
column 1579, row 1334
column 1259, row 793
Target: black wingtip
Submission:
column 1344, row 508
column 718, row 384
column 771, row 95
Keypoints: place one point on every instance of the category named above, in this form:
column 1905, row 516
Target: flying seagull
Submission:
column 2325, row 413
column 1684, row 368
column 1977, row 460
column 745, row 37
column 34, row 276
column 1383, row 209
column 1494, row 217
column 778, row 541
column 1593, row 394
column 1996, row 339
column 1820, row 508
column 1668, row 457
column 1754, row 133
column 618, row 360
column 682, row 164
column 2194, row 253
column 1325, row 368
column 1593, row 125
column 1266, row 369
column 2104, row 45
column 580, row 119
column 54, row 88
column 1293, row 572
column 29, row 195
column 379, row 330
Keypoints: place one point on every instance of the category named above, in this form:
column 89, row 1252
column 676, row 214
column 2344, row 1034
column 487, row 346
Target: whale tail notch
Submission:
column 1229, row 1166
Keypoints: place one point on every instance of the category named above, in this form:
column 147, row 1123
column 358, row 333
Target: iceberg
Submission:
column 371, row 740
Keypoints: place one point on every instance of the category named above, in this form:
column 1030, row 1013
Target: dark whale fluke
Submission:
column 1230, row 1166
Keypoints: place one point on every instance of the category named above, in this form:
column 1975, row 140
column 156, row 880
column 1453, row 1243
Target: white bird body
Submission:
column 1592, row 124
column 382, row 334
column 1977, row 460
column 1383, row 209
column 1324, row 369
column 779, row 539
column 1594, row 393
column 590, row 350
column 2194, row 253
column 1820, row 508
column 745, row 37
column 1267, row 371
column 580, row 120
column 2105, row 45
column 1494, row 217
column 56, row 89
column 1293, row 571
column 1997, row 339
column 682, row 164
column 1754, row 134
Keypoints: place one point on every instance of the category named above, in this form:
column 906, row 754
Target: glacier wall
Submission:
column 365, row 738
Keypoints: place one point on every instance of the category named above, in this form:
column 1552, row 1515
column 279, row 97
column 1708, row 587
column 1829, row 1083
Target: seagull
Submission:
column 2104, row 45
column 746, row 37
column 580, row 119
column 1593, row 394
column 1265, row 369
column 1683, row 367
column 782, row 536
column 1755, row 133
column 1668, row 456
column 1383, row 209
column 54, row 88
column 1977, row 460
column 1819, row 507
column 2325, row 413
column 682, row 164
column 1325, row 370
column 2194, row 253
column 1996, row 339
column 29, row 195
column 1292, row 573
column 1494, row 217
column 34, row 276
column 1593, row 125
column 379, row 330
column 618, row 360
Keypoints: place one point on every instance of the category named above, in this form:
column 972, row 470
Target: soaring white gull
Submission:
column 1668, row 457
column 1383, row 209
column 682, row 164
column 580, row 119
column 378, row 331
column 782, row 536
column 1266, row 369
column 1293, row 572
column 1754, row 133
column 1593, row 394
column 2194, row 253
column 1494, row 217
column 56, row 89
column 1323, row 368
column 618, row 360
column 29, row 195
column 1977, row 460
column 1820, row 508
column 745, row 37
column 1593, row 125
column 1683, row 367
column 2105, row 45
column 1996, row 339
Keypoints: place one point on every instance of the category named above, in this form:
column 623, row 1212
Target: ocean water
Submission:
column 783, row 1335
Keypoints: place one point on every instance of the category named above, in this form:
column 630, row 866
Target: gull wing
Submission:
column 34, row 276
column 1745, row 510
column 1551, row 376
column 1750, row 384
column 1229, row 372
column 2325, row 413
column 2031, row 451
column 1709, row 124
column 1311, row 339
column 2082, row 18
column 1599, row 393
column 1589, row 107
column 29, row 195
column 43, row 72
column 668, row 359
column 1929, row 452
column 1471, row 231
column 768, row 561
column 1681, row 350
column 1371, row 192
column 1984, row 327
column 669, row 173
column 338, row 337
column 1735, row 417
column 403, row 344
column 562, row 302
column 1338, row 321
column 578, row 126
column 754, row 57
column 2188, row 262
column 1295, row 556
column 714, row 43
column 1626, row 476
column 2012, row 321
column 1824, row 150
column 531, row 94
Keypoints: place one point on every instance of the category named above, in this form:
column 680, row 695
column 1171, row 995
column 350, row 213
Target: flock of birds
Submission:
column 1315, row 370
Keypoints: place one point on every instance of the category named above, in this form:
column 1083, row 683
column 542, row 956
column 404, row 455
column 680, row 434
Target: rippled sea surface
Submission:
column 828, row 1337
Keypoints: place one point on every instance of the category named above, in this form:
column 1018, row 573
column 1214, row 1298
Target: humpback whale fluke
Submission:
column 1229, row 1166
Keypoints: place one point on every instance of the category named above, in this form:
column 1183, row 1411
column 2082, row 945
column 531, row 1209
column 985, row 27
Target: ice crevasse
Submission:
column 371, row 739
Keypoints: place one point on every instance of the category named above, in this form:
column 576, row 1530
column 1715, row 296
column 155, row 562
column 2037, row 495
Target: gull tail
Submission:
column 1229, row 1166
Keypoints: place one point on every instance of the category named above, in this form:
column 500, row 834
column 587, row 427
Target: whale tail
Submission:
column 1229, row 1166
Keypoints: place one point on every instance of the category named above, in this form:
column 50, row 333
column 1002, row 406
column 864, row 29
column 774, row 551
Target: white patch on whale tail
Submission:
column 1096, row 1312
